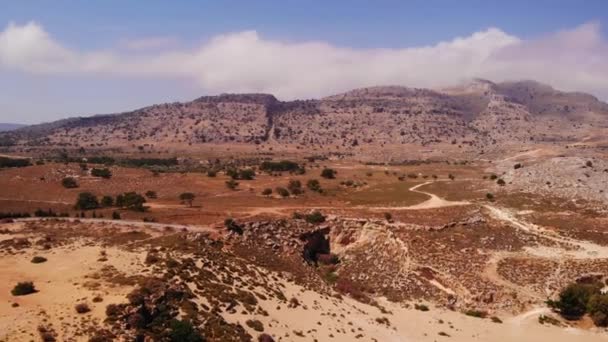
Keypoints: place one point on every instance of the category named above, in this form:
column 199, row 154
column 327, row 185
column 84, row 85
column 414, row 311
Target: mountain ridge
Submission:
column 479, row 114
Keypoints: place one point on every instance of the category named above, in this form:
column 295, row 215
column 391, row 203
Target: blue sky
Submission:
column 82, row 33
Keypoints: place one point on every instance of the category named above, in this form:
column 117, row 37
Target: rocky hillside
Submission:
column 480, row 115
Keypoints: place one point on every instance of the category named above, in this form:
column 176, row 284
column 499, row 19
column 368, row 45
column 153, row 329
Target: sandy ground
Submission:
column 324, row 318
column 66, row 279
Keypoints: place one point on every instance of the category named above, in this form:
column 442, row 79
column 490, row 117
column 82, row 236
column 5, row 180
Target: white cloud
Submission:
column 245, row 62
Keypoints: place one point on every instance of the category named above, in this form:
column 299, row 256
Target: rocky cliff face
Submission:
column 477, row 115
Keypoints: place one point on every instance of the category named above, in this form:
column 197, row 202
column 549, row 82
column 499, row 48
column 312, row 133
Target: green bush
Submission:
column 574, row 299
column 87, row 201
column 151, row 194
column 328, row 173
column 132, row 201
column 315, row 217
column 38, row 260
column 102, row 173
column 283, row 165
column 184, row 331
column 282, row 192
column 107, row 201
column 232, row 184
column 187, row 197
column 24, row 288
column 267, row 192
column 314, row 185
column 295, row 187
column 69, row 183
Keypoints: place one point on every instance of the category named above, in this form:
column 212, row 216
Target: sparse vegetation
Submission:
column 132, row 201
column 232, row 184
column 267, row 192
column 314, row 185
column 86, row 201
column 328, row 173
column 24, row 288
column 101, row 173
column 187, row 197
column 69, row 183
column 38, row 260
column 282, row 192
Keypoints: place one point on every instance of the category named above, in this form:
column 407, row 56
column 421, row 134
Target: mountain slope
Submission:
column 478, row 115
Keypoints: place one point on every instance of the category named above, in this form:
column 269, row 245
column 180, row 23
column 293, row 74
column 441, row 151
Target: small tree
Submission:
column 115, row 215
column 86, row 201
column 451, row 176
column 69, row 183
column 24, row 288
column 232, row 184
column 187, row 197
column 183, row 331
column 211, row 173
column 151, row 194
column 315, row 217
column 501, row 182
column 107, row 201
column 282, row 192
column 328, row 173
column 132, row 201
column 247, row 174
column 490, row 197
column 103, row 173
column 295, row 187
column 314, row 185
column 267, row 192
column 388, row 217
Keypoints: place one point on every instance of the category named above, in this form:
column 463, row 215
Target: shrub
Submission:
column 501, row 182
column 255, row 325
column 328, row 173
column 69, row 183
column 232, row 226
column 87, row 201
column 490, row 196
column 102, row 173
column 589, row 163
column 597, row 307
column 421, row 307
column 267, row 192
column 115, row 215
column 82, row 308
column 151, row 194
column 573, row 300
column 38, row 260
column 314, row 185
column 315, row 217
column 283, row 165
column 232, row 184
column 187, row 197
column 183, row 331
column 246, row 174
column 107, row 201
column 24, row 288
column 282, row 192
column 388, row 217
column 493, row 177
column 451, row 176
column 476, row 313
column 211, row 173
column 14, row 162
column 517, row 166
column 132, row 201
column 295, row 187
